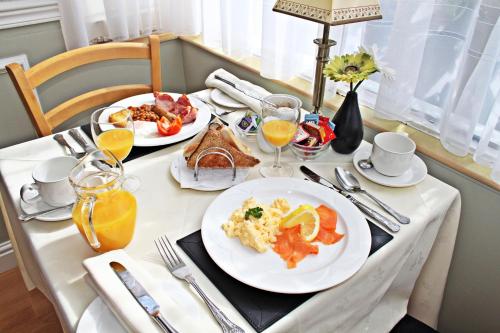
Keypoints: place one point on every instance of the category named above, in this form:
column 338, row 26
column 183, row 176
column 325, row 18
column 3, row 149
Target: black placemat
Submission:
column 136, row 152
column 260, row 308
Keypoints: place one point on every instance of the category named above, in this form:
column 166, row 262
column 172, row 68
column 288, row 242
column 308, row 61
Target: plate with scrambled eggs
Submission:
column 241, row 225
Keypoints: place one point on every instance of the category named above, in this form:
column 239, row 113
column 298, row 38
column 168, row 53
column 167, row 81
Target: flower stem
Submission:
column 357, row 85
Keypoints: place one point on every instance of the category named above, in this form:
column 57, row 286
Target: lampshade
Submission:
column 332, row 12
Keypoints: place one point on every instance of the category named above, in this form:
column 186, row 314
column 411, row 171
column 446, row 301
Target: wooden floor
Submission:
column 23, row 311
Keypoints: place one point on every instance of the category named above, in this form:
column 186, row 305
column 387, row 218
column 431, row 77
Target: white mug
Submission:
column 392, row 153
column 51, row 184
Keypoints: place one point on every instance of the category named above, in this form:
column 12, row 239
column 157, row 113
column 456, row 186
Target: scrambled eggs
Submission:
column 253, row 231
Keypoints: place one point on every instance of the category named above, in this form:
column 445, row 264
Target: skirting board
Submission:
column 7, row 257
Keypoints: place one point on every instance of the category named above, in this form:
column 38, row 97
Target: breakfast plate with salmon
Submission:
column 286, row 235
column 160, row 118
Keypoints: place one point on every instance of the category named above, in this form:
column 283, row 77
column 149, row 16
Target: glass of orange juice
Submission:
column 280, row 119
column 113, row 130
column 105, row 209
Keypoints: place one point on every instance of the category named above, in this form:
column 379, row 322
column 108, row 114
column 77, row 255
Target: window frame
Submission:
column 18, row 13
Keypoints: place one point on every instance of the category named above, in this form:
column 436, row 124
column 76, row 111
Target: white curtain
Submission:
column 445, row 54
column 250, row 28
column 86, row 22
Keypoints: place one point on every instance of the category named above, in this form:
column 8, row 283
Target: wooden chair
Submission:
column 26, row 81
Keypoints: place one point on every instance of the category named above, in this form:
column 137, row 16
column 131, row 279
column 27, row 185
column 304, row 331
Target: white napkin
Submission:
column 249, row 88
column 208, row 179
column 116, row 296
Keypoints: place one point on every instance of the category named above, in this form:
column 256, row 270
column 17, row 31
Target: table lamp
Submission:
column 328, row 12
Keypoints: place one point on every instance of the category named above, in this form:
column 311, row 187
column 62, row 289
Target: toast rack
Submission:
column 214, row 151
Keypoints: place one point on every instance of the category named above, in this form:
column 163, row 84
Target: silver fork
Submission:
column 179, row 269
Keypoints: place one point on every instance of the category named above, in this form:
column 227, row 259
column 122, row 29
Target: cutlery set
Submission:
column 179, row 270
column 59, row 138
column 63, row 143
column 348, row 184
column 142, row 297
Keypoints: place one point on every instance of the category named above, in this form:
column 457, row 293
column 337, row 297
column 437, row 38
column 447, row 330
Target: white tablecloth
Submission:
column 373, row 300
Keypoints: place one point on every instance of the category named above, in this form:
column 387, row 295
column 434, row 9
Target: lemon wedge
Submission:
column 307, row 217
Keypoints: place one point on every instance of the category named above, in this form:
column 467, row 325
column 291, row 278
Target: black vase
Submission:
column 348, row 125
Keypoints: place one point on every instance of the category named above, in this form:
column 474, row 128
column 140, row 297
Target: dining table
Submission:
column 406, row 276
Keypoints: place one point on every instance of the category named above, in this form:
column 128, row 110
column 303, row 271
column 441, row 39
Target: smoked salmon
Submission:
column 327, row 226
column 292, row 247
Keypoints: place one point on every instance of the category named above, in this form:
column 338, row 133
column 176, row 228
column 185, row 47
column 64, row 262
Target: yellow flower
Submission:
column 350, row 68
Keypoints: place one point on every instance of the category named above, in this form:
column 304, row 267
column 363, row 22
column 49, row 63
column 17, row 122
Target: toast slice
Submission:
column 218, row 135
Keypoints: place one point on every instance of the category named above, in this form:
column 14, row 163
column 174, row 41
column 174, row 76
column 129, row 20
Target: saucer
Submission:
column 58, row 215
column 412, row 176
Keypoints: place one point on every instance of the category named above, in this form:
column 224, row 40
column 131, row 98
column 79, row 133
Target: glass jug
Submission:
column 104, row 211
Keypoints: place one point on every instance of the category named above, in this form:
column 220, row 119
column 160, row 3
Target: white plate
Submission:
column 97, row 318
column 221, row 98
column 413, row 176
column 213, row 184
column 267, row 271
column 146, row 133
column 58, row 215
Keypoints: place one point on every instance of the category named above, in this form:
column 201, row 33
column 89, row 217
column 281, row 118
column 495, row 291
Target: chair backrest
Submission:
column 26, row 81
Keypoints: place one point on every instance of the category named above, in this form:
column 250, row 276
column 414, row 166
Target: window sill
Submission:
column 426, row 144
column 26, row 12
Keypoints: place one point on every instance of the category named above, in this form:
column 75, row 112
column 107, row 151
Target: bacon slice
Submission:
column 167, row 107
column 184, row 100
column 292, row 247
column 187, row 113
column 164, row 101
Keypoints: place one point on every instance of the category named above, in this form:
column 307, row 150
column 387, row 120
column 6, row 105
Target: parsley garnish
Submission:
column 255, row 212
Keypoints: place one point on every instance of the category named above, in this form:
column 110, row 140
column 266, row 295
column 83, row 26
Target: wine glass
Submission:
column 280, row 119
column 116, row 133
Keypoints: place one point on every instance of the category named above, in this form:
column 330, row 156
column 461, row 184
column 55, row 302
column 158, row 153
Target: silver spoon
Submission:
column 351, row 184
column 62, row 141
column 365, row 164
column 26, row 217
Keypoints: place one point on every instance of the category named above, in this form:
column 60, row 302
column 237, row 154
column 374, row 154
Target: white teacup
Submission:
column 51, row 184
column 392, row 153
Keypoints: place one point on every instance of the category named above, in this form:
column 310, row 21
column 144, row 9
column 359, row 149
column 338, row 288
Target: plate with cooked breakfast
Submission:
column 217, row 150
column 286, row 235
column 160, row 118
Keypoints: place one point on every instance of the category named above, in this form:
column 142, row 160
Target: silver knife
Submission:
column 142, row 297
column 75, row 134
column 392, row 226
